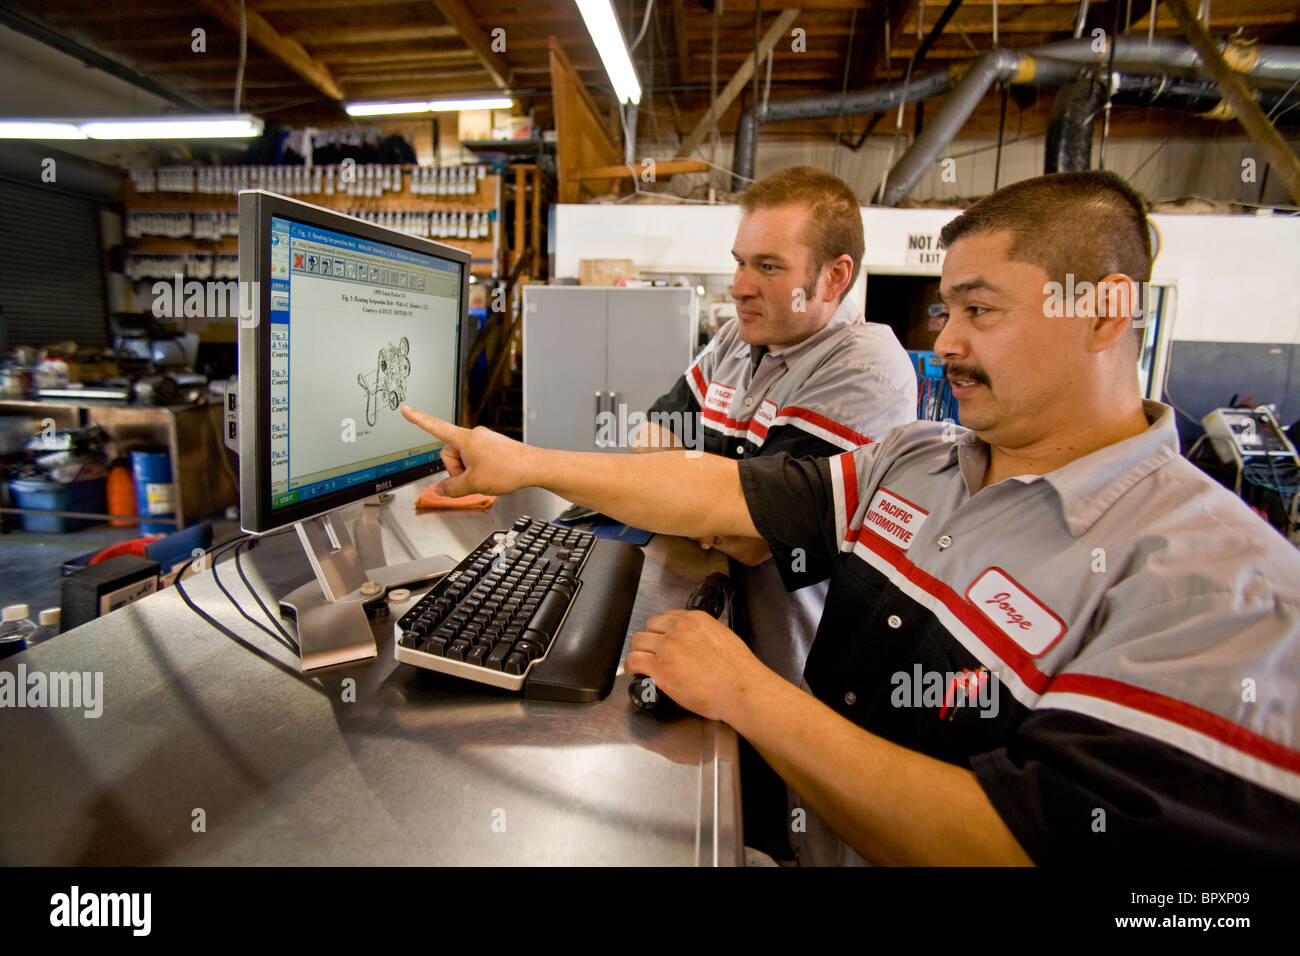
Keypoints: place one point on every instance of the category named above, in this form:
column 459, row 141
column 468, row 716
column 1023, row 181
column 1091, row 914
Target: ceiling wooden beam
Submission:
column 1241, row 98
column 288, row 51
column 380, row 57
column 737, row 83
column 346, row 36
column 286, row 6
column 459, row 15
column 1277, row 18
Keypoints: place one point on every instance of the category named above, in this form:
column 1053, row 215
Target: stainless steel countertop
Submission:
column 420, row 769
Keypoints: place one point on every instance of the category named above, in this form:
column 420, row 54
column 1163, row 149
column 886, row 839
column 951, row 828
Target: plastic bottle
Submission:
column 15, row 628
column 48, row 627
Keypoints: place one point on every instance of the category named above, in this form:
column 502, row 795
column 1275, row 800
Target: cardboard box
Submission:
column 606, row 271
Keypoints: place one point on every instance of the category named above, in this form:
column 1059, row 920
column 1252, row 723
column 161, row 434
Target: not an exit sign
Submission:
column 923, row 250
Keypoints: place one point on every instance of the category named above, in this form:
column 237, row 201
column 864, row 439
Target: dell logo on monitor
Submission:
column 383, row 485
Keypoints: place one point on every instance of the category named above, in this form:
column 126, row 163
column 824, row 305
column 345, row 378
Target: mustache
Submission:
column 969, row 372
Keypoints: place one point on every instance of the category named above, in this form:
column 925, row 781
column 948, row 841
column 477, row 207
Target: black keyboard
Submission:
column 540, row 607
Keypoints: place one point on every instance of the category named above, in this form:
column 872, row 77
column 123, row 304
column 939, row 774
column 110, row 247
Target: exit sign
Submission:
column 923, row 250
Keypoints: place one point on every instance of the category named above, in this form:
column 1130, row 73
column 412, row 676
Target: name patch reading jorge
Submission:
column 895, row 519
column 1015, row 612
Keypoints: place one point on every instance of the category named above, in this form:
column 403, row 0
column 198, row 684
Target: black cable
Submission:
column 293, row 645
column 238, row 607
column 252, row 648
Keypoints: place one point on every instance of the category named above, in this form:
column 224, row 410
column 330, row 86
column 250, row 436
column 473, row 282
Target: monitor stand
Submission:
column 330, row 612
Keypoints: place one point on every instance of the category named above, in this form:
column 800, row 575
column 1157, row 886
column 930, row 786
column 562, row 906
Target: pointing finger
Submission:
column 434, row 426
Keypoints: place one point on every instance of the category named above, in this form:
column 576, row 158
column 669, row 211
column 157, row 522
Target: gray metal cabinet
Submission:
column 597, row 349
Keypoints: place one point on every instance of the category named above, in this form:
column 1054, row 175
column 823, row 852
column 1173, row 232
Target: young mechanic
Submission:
column 1118, row 637
column 798, row 371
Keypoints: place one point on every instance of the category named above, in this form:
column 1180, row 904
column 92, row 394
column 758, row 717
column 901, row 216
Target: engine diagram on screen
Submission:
column 387, row 383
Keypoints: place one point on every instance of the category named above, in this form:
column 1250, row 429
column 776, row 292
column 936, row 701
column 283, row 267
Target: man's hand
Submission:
column 669, row 493
column 477, row 460
column 750, row 551
column 696, row 661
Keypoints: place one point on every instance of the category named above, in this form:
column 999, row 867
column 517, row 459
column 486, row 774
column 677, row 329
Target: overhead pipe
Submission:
column 1267, row 63
column 875, row 99
column 1070, row 125
column 996, row 66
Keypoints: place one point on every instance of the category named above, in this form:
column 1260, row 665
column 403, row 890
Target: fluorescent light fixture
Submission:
column 379, row 109
column 174, row 127
column 489, row 103
column 38, row 129
column 430, row 106
column 605, row 33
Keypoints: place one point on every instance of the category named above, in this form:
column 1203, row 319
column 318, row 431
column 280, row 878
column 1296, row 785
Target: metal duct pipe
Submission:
column 1271, row 63
column 996, row 66
column 1069, row 130
column 1045, row 66
column 875, row 99
column 1201, row 97
column 1278, row 63
column 1069, row 125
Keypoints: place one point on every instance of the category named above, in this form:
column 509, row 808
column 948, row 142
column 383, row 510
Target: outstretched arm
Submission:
column 671, row 493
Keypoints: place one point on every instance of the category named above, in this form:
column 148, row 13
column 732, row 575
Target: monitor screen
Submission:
column 359, row 320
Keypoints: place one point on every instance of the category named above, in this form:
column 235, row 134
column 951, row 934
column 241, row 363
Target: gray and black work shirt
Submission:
column 1113, row 648
column 837, row 389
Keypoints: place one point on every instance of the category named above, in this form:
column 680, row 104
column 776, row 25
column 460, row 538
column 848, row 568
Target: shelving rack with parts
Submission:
column 192, row 230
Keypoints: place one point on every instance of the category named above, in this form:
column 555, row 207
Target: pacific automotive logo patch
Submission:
column 719, row 397
column 895, row 519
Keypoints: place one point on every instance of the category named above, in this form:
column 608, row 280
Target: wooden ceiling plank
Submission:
column 1278, row 18
column 679, row 41
column 287, row 50
column 313, row 6
column 316, row 37
column 413, row 55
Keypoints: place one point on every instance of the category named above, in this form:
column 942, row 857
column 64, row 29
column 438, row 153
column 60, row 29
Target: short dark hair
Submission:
column 1090, row 223
column 834, row 215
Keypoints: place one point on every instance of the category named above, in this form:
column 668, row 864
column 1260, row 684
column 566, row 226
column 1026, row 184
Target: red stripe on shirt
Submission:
column 849, row 469
column 835, row 428
column 700, row 383
column 1181, row 713
column 713, row 415
column 790, row 411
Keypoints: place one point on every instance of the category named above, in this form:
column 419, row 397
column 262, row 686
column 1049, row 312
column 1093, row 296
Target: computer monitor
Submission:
column 342, row 322
column 349, row 321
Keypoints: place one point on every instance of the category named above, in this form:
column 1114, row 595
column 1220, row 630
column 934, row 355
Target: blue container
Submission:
column 45, row 495
column 154, row 492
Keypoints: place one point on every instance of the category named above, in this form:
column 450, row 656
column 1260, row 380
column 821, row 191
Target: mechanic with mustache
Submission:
column 1138, row 624
column 797, row 371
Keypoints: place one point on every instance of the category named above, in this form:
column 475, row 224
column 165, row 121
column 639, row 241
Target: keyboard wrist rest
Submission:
column 584, row 657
